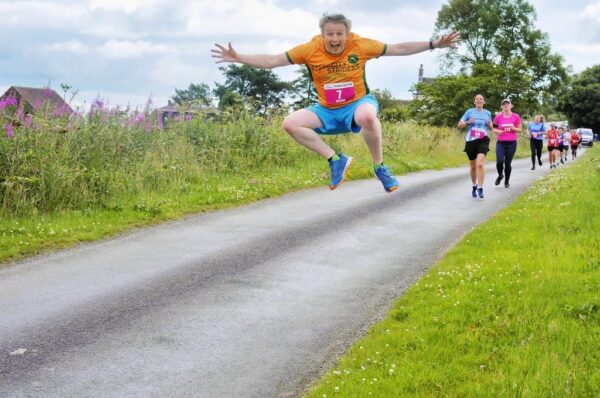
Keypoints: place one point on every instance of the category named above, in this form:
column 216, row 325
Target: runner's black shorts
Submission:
column 552, row 148
column 475, row 147
column 574, row 146
column 563, row 147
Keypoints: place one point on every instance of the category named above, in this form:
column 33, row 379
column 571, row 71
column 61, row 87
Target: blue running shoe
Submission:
column 389, row 182
column 474, row 192
column 339, row 170
column 480, row 193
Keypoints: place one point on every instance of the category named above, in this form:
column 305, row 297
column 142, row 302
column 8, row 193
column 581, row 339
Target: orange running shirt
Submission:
column 338, row 79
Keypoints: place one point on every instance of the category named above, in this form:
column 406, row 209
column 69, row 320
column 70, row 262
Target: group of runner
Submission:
column 336, row 62
column 559, row 142
column 507, row 125
column 479, row 123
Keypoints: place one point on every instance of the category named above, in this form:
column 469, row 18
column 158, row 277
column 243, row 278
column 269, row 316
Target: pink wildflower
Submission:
column 9, row 130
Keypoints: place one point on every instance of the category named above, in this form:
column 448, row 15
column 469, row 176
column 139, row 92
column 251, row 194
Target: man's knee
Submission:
column 366, row 120
column 289, row 124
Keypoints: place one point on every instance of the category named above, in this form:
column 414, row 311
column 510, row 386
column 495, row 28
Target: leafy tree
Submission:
column 259, row 87
column 390, row 109
column 303, row 90
column 581, row 103
column 501, row 55
column 196, row 93
column 444, row 101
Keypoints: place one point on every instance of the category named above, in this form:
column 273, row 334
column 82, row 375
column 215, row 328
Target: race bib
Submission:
column 338, row 93
column 534, row 135
column 507, row 128
column 552, row 142
column 477, row 133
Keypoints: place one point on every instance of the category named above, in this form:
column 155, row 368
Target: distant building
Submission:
column 424, row 80
column 172, row 111
column 30, row 99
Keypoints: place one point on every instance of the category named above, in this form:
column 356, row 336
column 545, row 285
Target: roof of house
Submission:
column 30, row 95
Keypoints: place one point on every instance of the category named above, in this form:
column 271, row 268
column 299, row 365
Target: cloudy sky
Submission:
column 127, row 50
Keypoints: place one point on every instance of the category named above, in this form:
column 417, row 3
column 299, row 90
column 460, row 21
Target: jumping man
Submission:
column 336, row 61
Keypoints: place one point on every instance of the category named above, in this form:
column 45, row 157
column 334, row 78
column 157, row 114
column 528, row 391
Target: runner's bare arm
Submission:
column 228, row 54
column 415, row 47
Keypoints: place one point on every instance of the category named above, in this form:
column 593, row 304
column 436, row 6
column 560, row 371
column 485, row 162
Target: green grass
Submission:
column 512, row 311
column 63, row 184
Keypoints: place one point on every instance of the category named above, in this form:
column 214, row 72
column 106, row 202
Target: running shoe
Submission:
column 540, row 162
column 474, row 193
column 499, row 180
column 339, row 170
column 387, row 179
column 533, row 168
column 506, row 185
column 480, row 193
column 561, row 162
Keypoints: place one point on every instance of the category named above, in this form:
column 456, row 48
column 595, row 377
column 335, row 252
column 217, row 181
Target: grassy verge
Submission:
column 511, row 311
column 101, row 179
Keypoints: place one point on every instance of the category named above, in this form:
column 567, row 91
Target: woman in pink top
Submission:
column 506, row 125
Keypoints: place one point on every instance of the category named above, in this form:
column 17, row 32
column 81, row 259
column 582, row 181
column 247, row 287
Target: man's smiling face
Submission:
column 335, row 36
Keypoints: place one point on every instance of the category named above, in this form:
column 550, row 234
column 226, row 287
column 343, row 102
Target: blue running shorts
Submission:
column 341, row 120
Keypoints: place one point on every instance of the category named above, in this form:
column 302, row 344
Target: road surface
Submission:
column 251, row 302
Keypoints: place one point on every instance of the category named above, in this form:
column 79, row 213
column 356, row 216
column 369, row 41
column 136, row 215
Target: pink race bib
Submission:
column 506, row 127
column 477, row 133
column 338, row 93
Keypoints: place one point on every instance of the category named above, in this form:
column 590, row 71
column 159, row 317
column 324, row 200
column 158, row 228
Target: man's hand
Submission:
column 224, row 54
column 449, row 40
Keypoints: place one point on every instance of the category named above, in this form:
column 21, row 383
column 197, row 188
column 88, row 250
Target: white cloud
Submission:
column 167, row 44
column 592, row 11
column 248, row 17
column 121, row 5
column 72, row 46
column 133, row 49
column 327, row 2
column 276, row 46
column 40, row 14
column 174, row 72
column 417, row 24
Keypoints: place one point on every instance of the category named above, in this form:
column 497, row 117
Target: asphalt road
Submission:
column 250, row 302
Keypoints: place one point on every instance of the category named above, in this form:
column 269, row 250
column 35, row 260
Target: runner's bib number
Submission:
column 552, row 142
column 338, row 93
column 507, row 128
column 477, row 133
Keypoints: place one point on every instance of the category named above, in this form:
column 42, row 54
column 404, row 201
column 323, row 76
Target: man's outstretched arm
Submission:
column 415, row 47
column 228, row 54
